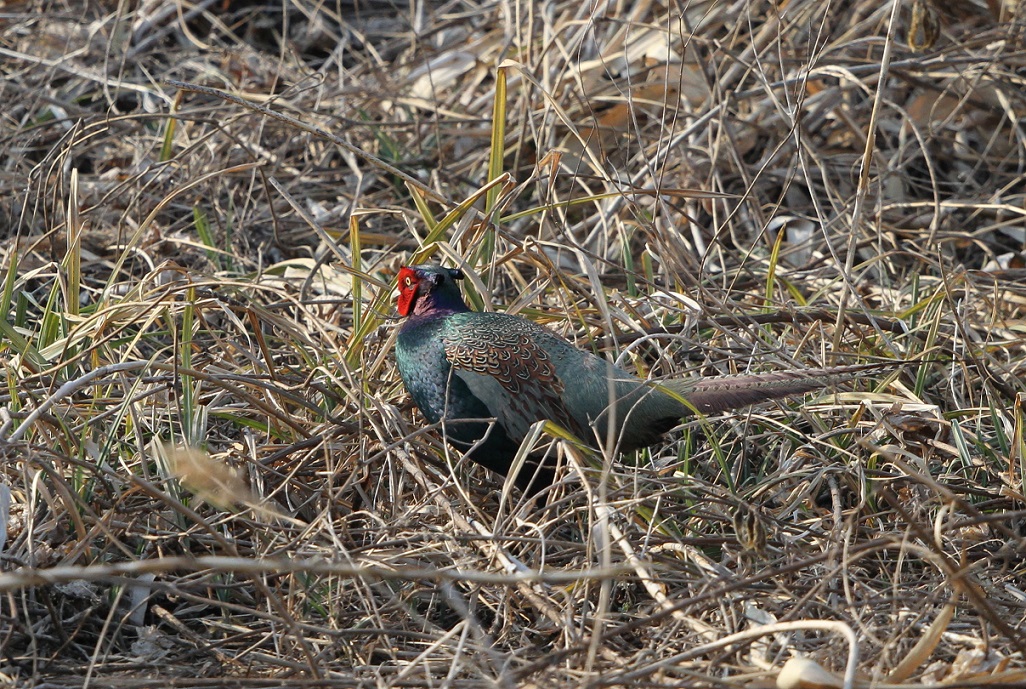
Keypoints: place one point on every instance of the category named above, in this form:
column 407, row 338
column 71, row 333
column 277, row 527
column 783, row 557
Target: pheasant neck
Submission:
column 439, row 304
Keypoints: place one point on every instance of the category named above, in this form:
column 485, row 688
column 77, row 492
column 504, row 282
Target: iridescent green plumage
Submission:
column 465, row 367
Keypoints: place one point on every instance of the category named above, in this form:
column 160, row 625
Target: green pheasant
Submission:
column 490, row 376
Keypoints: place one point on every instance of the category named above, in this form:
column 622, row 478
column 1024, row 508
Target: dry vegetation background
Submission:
column 211, row 474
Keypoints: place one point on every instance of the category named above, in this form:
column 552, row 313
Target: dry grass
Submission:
column 212, row 475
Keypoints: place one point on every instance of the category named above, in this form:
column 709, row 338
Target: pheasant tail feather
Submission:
column 723, row 393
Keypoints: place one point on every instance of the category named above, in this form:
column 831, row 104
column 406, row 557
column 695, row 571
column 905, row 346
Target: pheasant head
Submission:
column 425, row 290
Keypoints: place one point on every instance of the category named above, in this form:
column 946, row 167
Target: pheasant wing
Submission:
column 504, row 365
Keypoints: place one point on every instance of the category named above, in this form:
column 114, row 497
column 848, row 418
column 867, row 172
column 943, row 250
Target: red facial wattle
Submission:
column 407, row 290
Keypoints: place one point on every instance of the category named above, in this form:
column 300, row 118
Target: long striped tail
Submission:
column 722, row 393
